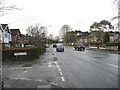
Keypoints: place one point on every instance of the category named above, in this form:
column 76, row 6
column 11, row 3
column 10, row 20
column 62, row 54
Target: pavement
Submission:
column 39, row 73
column 104, row 49
column 28, row 83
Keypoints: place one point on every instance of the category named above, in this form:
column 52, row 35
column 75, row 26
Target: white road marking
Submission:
column 55, row 62
column 59, row 70
column 25, row 71
column 63, row 79
column 113, row 65
column 49, row 65
column 26, row 79
column 61, row 73
column 58, row 66
column 21, row 68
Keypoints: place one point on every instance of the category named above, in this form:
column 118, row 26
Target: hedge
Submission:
column 93, row 43
column 113, row 44
column 32, row 53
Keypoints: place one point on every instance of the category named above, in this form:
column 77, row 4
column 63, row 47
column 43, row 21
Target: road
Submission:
column 70, row 69
column 89, row 68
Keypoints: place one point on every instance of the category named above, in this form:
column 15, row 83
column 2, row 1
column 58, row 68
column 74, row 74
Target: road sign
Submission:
column 20, row 53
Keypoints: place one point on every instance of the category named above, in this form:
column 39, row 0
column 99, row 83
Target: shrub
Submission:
column 113, row 44
column 93, row 43
column 32, row 53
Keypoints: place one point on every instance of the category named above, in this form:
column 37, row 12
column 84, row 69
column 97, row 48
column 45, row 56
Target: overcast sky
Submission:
column 78, row 14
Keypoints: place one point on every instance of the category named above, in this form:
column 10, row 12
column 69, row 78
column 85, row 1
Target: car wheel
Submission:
column 83, row 49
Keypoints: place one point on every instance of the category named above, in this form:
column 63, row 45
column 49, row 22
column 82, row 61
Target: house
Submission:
column 1, row 31
column 6, row 35
column 114, row 36
column 15, row 34
column 22, row 40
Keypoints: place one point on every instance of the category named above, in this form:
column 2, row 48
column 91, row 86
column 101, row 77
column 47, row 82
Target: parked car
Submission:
column 79, row 46
column 60, row 47
column 54, row 45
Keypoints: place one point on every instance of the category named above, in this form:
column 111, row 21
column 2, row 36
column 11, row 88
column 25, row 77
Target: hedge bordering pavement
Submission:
column 32, row 53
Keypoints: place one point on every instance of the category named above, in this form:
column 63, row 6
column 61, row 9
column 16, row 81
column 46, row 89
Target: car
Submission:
column 54, row 45
column 79, row 46
column 60, row 47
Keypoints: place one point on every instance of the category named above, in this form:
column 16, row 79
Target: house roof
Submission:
column 5, row 27
column 1, row 27
column 15, row 31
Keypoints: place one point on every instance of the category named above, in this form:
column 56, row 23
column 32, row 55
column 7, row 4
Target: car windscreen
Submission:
column 60, row 46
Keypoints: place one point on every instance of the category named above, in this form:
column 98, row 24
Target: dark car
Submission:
column 54, row 45
column 79, row 46
column 60, row 47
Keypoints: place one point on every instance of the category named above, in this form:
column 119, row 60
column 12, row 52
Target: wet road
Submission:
column 73, row 69
column 89, row 68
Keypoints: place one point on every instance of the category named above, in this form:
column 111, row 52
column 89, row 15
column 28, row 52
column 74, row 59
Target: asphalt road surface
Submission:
column 89, row 68
column 69, row 69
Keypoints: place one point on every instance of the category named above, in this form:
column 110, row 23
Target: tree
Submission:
column 65, row 28
column 70, row 37
column 104, row 24
column 37, row 34
column 99, row 27
column 106, row 38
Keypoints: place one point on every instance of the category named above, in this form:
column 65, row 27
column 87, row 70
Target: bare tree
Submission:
column 65, row 28
column 37, row 34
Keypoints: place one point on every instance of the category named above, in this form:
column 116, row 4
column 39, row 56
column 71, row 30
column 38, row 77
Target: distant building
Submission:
column 51, row 37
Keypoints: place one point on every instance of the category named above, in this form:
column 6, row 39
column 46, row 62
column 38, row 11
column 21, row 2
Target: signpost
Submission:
column 17, row 54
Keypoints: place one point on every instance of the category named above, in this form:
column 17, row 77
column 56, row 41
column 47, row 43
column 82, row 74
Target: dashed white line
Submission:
column 59, row 70
column 55, row 62
column 61, row 73
column 49, row 65
column 63, row 79
column 112, row 65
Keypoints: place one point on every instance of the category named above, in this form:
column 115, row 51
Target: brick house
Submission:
column 15, row 34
